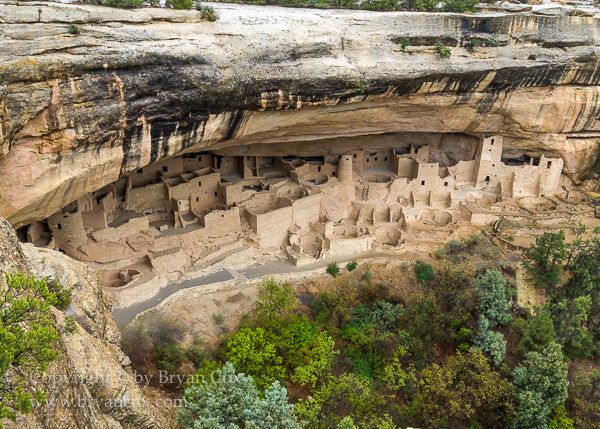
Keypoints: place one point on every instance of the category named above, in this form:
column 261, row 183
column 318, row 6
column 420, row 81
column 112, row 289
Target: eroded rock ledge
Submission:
column 78, row 112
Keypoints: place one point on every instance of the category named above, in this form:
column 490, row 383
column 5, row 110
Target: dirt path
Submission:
column 125, row 315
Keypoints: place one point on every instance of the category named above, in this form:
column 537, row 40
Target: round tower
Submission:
column 344, row 169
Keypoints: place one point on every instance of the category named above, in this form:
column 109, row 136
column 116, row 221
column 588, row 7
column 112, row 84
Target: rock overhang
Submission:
column 81, row 111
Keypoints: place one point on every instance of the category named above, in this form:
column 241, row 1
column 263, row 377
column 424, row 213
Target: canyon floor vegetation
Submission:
column 437, row 344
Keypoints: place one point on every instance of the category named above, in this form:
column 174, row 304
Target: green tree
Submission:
column 493, row 303
column 424, row 271
column 180, row 4
column 559, row 419
column 545, row 259
column 347, row 423
column 538, row 333
column 255, row 355
column 490, row 342
column 570, row 317
column 348, row 396
column 584, row 398
column 465, row 387
column 316, row 358
column 541, row 383
column 276, row 300
column 26, row 340
column 231, row 401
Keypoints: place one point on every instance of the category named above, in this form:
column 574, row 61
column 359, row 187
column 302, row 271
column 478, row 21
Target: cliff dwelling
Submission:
column 182, row 213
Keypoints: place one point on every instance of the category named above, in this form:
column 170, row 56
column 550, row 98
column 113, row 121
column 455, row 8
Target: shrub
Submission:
column 333, row 269
column 169, row 356
column 347, row 396
column 464, row 387
column 541, row 383
column 386, row 314
column 493, row 303
column 460, row 6
column 27, row 340
column 483, row 41
column 165, row 328
column 351, row 266
column 63, row 296
column 180, row 4
column 218, row 318
column 559, row 419
column 137, row 343
column 545, row 259
column 537, row 334
column 155, row 335
column 232, row 401
column 208, row 12
column 255, row 355
column 368, row 275
column 316, row 357
column 74, row 29
column 361, row 86
column 442, row 50
column 490, row 342
column 275, row 302
column 424, row 271
column 404, row 42
column 69, row 327
column 125, row 3
column 583, row 400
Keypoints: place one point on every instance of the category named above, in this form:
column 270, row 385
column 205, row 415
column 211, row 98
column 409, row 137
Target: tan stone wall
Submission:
column 272, row 227
column 171, row 167
column 96, row 220
column 378, row 158
column 36, row 231
column 348, row 246
column 150, row 196
column 306, row 209
column 464, row 173
column 168, row 261
column 404, row 167
column 527, row 294
column 67, row 229
column 133, row 226
column 222, row 222
column 199, row 161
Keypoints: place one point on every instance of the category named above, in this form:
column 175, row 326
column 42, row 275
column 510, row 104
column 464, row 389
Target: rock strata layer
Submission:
column 136, row 86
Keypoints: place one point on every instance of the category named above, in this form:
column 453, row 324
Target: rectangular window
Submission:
column 140, row 171
column 354, row 155
column 199, row 183
column 549, row 164
column 445, row 183
column 197, row 199
column 165, row 169
column 59, row 226
column 385, row 159
column 215, row 194
column 423, row 183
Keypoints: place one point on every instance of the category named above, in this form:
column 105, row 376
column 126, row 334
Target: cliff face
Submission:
column 137, row 86
column 89, row 386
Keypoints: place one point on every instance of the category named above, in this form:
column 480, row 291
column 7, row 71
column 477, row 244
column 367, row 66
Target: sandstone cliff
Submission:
column 136, row 86
column 91, row 372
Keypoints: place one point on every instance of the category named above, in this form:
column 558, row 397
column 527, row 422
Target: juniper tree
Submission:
column 26, row 340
